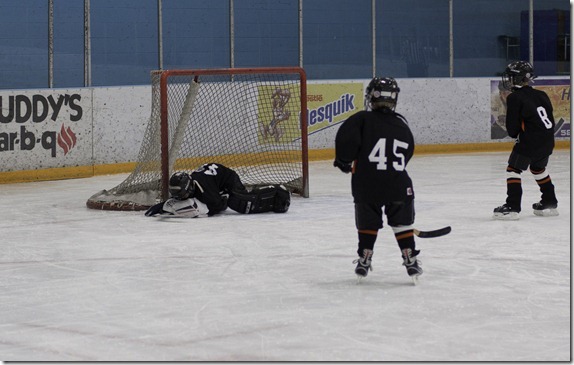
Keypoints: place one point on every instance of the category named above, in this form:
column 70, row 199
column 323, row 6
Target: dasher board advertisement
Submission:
column 42, row 129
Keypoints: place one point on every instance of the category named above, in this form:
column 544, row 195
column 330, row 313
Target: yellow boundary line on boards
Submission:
column 329, row 154
column 61, row 173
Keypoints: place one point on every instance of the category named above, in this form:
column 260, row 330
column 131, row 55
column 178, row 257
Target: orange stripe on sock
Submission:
column 513, row 181
column 402, row 235
column 368, row 231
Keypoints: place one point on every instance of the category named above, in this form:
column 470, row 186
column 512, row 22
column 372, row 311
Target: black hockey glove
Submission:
column 156, row 209
column 346, row 167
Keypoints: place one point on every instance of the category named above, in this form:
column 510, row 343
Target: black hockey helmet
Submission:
column 517, row 74
column 181, row 186
column 382, row 92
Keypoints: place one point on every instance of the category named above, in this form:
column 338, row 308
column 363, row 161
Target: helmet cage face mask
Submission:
column 507, row 81
column 181, row 186
column 382, row 93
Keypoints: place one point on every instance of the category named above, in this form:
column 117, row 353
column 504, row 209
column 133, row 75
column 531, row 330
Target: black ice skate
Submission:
column 545, row 209
column 505, row 212
column 411, row 263
column 363, row 264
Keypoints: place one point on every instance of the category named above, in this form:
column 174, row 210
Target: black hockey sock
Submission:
column 513, row 187
column 545, row 184
column 367, row 240
column 406, row 239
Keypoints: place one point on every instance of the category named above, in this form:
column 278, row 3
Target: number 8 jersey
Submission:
column 529, row 118
column 381, row 144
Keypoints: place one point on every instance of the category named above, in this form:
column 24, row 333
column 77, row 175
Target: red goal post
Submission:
column 253, row 120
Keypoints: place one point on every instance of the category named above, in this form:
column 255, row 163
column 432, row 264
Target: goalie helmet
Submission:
column 382, row 92
column 181, row 186
column 517, row 74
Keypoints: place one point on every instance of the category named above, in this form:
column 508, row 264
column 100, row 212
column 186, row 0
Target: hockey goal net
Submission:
column 251, row 120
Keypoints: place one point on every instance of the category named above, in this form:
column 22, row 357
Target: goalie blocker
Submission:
column 273, row 198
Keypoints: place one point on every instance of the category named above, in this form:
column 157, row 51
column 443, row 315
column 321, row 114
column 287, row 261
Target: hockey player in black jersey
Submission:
column 530, row 120
column 212, row 188
column 375, row 146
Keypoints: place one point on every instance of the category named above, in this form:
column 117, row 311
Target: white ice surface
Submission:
column 86, row 285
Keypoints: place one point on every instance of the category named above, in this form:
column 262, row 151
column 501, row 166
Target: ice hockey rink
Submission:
column 87, row 285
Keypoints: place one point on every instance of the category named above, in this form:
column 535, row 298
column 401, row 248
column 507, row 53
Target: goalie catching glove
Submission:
column 174, row 208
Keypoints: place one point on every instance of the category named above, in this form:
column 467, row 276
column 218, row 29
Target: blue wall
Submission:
column 23, row 43
column 266, row 33
column 68, row 43
column 412, row 38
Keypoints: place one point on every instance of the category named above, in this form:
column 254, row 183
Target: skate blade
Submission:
column 513, row 216
column 415, row 279
column 546, row 213
column 360, row 278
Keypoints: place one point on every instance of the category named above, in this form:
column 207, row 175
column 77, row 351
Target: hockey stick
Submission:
column 430, row 234
column 558, row 126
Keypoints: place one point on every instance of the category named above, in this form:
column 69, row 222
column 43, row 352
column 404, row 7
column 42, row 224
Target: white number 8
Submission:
column 544, row 117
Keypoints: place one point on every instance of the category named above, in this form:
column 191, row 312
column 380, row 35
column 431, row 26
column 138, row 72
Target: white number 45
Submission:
column 379, row 157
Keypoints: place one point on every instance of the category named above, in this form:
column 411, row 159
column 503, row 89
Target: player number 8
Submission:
column 544, row 117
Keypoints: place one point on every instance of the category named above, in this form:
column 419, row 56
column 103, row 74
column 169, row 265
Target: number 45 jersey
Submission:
column 381, row 144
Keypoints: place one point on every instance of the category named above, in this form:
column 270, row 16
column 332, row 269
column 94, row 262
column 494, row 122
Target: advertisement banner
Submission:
column 278, row 124
column 331, row 104
column 559, row 93
column 327, row 106
column 44, row 129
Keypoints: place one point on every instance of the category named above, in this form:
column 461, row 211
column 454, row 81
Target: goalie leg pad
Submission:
column 244, row 203
column 282, row 199
column 261, row 200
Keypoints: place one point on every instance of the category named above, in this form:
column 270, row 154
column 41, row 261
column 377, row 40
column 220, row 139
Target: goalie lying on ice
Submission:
column 211, row 189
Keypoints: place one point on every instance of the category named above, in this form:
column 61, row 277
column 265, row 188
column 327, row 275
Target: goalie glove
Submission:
column 189, row 208
column 346, row 167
